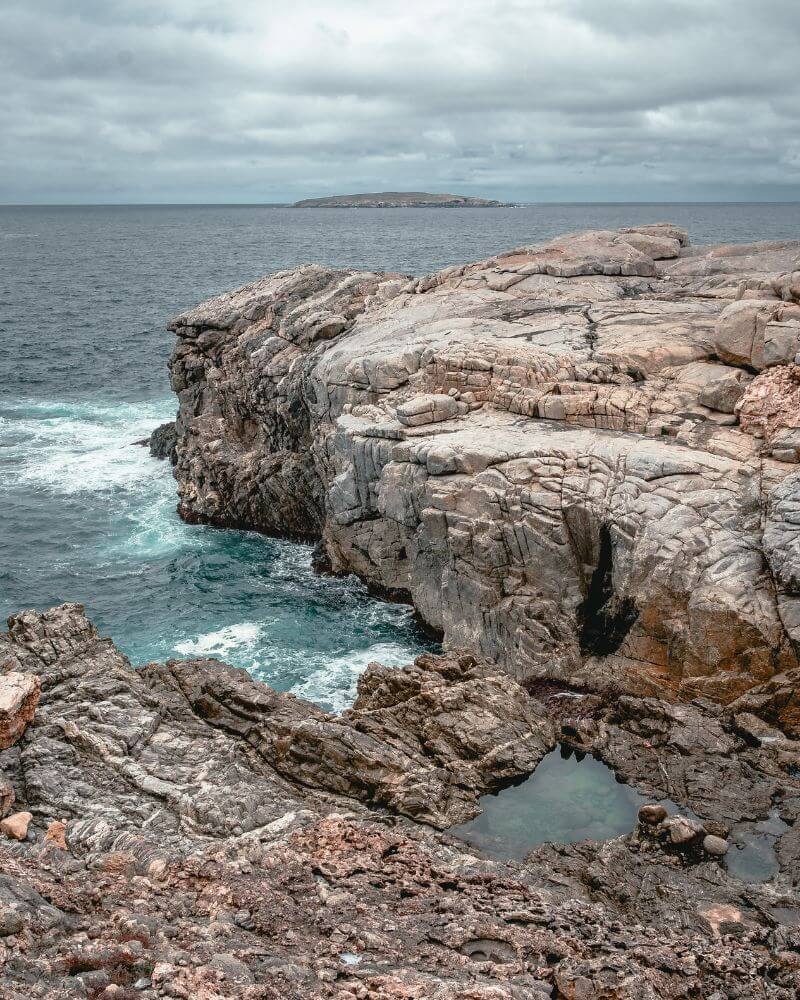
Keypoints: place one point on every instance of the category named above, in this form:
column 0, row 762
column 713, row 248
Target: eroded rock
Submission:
column 206, row 857
column 538, row 449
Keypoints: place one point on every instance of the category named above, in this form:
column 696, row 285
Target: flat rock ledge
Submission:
column 578, row 460
column 182, row 830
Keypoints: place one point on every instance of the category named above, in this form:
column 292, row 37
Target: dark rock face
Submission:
column 163, row 442
column 222, row 840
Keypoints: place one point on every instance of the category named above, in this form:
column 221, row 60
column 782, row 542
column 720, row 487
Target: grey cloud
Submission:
column 186, row 101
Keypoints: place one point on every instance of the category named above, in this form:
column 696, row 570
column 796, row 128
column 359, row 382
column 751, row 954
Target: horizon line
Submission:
column 290, row 204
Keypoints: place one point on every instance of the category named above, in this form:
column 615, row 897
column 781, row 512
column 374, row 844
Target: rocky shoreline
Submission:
column 183, row 830
column 579, row 461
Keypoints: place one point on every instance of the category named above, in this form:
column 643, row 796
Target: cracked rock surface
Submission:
column 193, row 833
column 575, row 459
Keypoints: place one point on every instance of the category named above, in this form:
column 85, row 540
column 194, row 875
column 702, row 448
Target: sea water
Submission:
column 86, row 515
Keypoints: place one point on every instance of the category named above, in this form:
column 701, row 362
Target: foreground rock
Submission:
column 192, row 833
column 541, row 450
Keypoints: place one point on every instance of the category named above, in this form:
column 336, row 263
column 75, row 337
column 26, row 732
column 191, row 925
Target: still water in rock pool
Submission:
column 751, row 856
column 569, row 797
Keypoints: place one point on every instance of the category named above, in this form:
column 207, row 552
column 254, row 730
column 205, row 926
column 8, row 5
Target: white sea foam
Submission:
column 80, row 447
column 234, row 641
column 333, row 684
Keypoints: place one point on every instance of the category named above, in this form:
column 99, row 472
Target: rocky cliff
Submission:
column 578, row 460
column 185, row 831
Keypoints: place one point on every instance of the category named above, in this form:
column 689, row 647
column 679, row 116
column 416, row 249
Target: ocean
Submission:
column 86, row 515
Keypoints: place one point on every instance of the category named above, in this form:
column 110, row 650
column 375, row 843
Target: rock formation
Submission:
column 578, row 460
column 19, row 695
column 162, row 442
column 189, row 832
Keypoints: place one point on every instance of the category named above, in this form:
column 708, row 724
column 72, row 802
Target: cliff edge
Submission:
column 579, row 460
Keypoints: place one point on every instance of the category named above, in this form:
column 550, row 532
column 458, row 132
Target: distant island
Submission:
column 398, row 199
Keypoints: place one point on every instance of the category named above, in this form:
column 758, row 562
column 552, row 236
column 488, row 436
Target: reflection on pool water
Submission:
column 569, row 797
column 751, row 856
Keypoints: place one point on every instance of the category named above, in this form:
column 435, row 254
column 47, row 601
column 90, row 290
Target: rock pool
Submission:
column 569, row 797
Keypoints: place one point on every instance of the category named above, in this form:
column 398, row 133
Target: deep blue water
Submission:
column 84, row 297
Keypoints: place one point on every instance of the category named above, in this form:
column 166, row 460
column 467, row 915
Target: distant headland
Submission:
column 399, row 199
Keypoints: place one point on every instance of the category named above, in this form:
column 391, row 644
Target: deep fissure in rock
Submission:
column 604, row 618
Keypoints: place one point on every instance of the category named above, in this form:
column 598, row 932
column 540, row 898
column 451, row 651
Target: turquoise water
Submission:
column 568, row 798
column 100, row 513
column 85, row 294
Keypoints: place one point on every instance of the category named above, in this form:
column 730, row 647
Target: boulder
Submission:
column 717, row 847
column 739, row 332
column 15, row 826
column 681, row 831
column 723, row 393
column 652, row 814
column 787, row 286
column 19, row 696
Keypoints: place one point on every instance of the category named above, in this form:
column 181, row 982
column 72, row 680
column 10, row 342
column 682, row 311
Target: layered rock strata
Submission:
column 576, row 459
column 192, row 833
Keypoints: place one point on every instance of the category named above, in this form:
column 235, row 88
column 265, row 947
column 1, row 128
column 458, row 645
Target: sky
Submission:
column 115, row 101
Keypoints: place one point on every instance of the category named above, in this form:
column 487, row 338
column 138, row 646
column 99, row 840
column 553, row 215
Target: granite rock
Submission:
column 19, row 695
column 536, row 449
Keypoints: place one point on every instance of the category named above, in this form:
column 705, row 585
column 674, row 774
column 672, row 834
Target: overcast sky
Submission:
column 536, row 100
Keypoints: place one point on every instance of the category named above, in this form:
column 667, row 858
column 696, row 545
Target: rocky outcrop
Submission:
column 542, row 450
column 426, row 742
column 190, row 832
column 162, row 442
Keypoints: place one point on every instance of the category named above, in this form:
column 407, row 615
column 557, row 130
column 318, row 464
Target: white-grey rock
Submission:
column 524, row 446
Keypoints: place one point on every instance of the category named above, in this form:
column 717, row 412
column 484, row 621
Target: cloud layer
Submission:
column 254, row 101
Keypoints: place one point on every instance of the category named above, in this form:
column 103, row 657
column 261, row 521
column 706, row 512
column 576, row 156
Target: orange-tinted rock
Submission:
column 56, row 835
column 16, row 825
column 19, row 696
